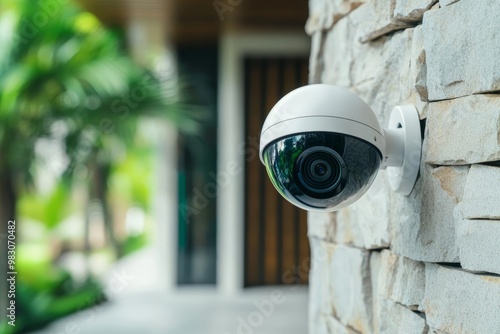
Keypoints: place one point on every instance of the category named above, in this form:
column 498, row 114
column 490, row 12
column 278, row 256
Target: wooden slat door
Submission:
column 276, row 244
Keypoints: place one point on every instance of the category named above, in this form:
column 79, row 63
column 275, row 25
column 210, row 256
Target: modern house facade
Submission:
column 423, row 263
column 219, row 221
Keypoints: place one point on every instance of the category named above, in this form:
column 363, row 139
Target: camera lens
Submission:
column 319, row 170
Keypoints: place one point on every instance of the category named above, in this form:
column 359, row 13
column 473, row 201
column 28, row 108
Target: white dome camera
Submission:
column 323, row 146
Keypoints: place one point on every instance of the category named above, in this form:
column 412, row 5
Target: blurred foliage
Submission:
column 70, row 69
column 134, row 243
column 36, row 308
column 45, row 292
column 130, row 178
column 48, row 209
column 64, row 77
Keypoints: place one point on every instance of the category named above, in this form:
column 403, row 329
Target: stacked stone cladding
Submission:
column 428, row 262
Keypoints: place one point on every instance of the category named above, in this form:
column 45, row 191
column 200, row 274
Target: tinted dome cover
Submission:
column 358, row 163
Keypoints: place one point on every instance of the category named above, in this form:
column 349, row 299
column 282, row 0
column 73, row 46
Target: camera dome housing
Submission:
column 321, row 170
column 322, row 147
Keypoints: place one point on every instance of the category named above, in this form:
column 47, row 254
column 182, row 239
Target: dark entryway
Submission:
column 196, row 262
column 276, row 244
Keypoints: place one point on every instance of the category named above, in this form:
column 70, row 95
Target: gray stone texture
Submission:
column 319, row 281
column 464, row 131
column 386, row 16
column 460, row 302
column 462, row 46
column 335, row 327
column 379, row 20
column 397, row 319
column 412, row 10
column 443, row 3
column 401, row 280
column 482, row 194
column 381, row 72
column 321, row 325
column 362, row 224
column 350, row 287
column 374, row 271
column 325, row 13
column 319, row 224
column 386, row 67
column 326, row 292
column 423, row 224
column 397, row 292
column 316, row 62
column 478, row 241
column 418, row 70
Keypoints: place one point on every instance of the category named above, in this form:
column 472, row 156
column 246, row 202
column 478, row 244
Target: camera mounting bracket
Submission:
column 403, row 148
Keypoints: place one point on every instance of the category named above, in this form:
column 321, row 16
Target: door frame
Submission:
column 234, row 47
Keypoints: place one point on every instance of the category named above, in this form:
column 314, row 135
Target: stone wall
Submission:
column 428, row 262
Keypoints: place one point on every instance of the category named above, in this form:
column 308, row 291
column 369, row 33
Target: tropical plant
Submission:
column 63, row 76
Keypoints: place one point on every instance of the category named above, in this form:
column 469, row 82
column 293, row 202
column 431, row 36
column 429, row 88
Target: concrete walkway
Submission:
column 194, row 311
column 139, row 306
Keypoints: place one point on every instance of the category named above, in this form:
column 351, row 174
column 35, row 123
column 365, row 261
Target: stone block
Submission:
column 385, row 81
column 379, row 20
column 418, row 68
column 422, row 224
column 437, row 331
column 316, row 58
column 364, row 224
column 318, row 19
column 319, row 282
column 335, row 327
column 478, row 241
column 319, row 326
column 464, row 131
column 340, row 46
column 401, row 280
column 388, row 72
column 443, row 3
column 383, row 73
column 478, row 217
column 397, row 289
column 482, row 194
column 350, row 287
column 376, row 275
column 386, row 16
column 461, row 45
column 323, row 14
column 412, row 10
column 341, row 8
column 320, row 225
column 397, row 319
column 344, row 230
column 349, row 61
column 460, row 302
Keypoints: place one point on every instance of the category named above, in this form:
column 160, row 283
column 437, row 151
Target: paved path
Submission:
column 194, row 311
column 138, row 306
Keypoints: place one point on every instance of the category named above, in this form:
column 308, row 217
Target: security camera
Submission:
column 322, row 147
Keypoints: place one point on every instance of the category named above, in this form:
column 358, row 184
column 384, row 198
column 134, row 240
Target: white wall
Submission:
column 234, row 46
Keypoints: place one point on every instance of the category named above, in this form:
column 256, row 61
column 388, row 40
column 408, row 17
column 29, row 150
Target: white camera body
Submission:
column 322, row 147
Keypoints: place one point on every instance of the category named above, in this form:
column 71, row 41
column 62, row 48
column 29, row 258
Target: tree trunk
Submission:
column 7, row 213
column 100, row 178
column 87, row 249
